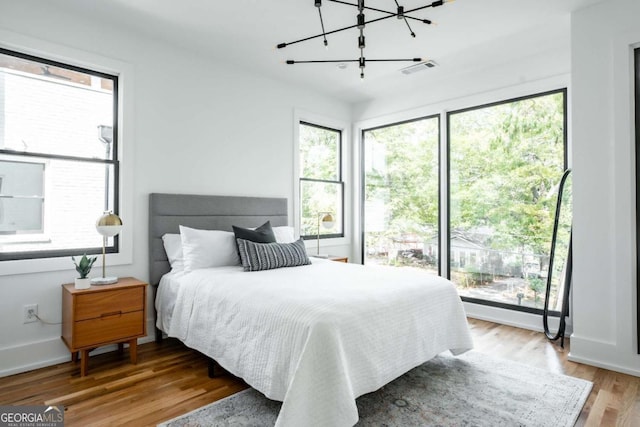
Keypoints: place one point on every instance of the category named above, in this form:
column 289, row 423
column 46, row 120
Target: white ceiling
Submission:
column 468, row 35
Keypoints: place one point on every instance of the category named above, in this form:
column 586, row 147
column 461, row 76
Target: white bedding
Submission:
column 166, row 296
column 318, row 336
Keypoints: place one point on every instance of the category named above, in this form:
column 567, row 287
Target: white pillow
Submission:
column 284, row 234
column 208, row 248
column 173, row 248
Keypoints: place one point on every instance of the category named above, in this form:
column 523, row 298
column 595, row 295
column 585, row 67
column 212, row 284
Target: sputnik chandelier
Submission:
column 361, row 23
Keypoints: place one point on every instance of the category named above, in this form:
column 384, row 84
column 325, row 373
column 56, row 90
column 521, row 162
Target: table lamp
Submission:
column 108, row 225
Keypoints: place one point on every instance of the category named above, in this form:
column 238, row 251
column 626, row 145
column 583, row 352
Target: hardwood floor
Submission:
column 170, row 380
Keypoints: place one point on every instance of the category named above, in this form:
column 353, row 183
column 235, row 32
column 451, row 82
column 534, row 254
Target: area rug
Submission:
column 469, row 390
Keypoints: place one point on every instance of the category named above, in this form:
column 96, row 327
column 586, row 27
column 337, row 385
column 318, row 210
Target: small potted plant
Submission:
column 83, row 267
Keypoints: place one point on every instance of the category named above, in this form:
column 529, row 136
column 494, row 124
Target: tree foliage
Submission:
column 402, row 175
column 505, row 163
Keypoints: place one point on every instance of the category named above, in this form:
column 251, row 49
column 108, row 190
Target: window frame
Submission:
column 564, row 92
column 114, row 162
column 125, row 133
column 442, row 108
column 339, row 182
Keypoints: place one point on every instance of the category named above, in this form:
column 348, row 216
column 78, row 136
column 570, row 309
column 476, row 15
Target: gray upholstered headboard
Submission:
column 168, row 211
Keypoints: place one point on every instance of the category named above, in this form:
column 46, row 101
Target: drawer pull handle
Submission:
column 113, row 313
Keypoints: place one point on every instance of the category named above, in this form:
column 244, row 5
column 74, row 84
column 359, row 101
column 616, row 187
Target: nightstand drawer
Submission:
column 110, row 327
column 95, row 304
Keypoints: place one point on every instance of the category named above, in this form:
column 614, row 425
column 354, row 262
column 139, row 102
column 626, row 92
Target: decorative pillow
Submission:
column 262, row 234
column 284, row 234
column 267, row 256
column 207, row 248
column 173, row 248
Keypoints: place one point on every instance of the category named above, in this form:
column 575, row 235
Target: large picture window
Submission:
column 400, row 196
column 506, row 160
column 321, row 184
column 58, row 157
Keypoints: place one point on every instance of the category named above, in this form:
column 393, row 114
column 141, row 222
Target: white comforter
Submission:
column 316, row 337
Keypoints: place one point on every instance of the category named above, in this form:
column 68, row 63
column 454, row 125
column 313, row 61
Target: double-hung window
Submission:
column 58, row 157
column 321, row 183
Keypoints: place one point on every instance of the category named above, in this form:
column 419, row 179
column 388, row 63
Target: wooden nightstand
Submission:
column 339, row 258
column 102, row 315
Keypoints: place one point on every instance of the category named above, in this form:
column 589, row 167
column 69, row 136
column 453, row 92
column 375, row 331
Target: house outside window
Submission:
column 321, row 182
column 58, row 157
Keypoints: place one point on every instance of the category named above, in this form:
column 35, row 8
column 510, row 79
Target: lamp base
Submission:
column 104, row 280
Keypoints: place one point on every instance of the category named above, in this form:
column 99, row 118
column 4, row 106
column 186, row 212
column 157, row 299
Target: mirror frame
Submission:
column 568, row 269
column 636, row 67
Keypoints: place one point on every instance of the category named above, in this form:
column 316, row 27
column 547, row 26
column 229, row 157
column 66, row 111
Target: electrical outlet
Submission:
column 30, row 313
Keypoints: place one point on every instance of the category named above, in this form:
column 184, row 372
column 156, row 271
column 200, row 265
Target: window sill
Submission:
column 312, row 244
column 41, row 265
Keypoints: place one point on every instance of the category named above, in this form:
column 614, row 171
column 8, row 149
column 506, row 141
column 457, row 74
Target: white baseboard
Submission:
column 30, row 356
column 49, row 352
column 604, row 355
column 604, row 365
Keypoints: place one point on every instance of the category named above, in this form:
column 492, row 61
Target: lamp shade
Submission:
column 328, row 221
column 109, row 224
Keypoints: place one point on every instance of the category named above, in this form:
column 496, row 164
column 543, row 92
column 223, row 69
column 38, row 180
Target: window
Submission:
column 321, row 185
column 400, row 194
column 506, row 160
column 58, row 157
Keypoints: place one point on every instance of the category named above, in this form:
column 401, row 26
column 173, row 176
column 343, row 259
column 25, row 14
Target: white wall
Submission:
column 197, row 125
column 541, row 52
column 604, row 289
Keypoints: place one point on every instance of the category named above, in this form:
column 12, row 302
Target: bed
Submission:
column 314, row 337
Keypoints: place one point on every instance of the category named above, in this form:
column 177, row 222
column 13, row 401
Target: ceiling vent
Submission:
column 418, row 67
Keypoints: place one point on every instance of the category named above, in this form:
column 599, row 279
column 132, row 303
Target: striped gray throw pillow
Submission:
column 266, row 256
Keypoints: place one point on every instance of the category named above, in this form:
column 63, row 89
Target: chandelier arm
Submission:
column 404, row 18
column 322, row 25
column 282, row 45
column 396, row 60
column 409, row 27
column 434, row 4
column 424, row 21
column 291, row 62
